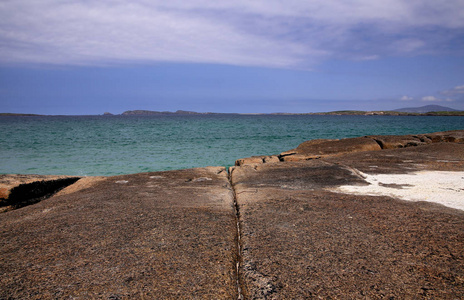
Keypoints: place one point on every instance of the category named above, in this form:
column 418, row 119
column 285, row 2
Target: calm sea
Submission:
column 111, row 145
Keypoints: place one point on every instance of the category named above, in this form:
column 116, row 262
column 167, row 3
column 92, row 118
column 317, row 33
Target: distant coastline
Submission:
column 429, row 110
column 389, row 113
column 332, row 113
column 19, row 115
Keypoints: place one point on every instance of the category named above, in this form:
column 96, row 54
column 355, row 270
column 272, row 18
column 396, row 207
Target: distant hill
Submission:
column 424, row 109
column 19, row 115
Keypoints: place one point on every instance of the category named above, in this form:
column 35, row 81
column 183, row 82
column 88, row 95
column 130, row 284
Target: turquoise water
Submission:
column 111, row 145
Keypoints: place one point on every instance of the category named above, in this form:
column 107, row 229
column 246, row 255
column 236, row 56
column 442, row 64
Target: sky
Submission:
column 89, row 57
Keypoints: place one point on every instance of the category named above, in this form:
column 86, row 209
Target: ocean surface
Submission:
column 112, row 145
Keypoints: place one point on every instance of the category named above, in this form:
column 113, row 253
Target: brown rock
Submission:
column 249, row 161
column 271, row 159
column 300, row 240
column 11, row 181
column 401, row 141
column 176, row 234
column 21, row 190
column 153, row 235
column 453, row 136
column 320, row 148
column 437, row 156
column 256, row 160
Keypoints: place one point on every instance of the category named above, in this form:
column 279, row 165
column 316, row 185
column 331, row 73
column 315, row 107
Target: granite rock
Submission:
column 274, row 228
column 301, row 240
column 152, row 235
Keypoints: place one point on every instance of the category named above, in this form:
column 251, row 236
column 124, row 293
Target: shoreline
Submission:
column 269, row 227
column 39, row 186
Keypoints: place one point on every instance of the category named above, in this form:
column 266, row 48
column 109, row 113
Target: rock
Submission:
column 394, row 141
column 158, row 236
column 401, row 141
column 273, row 228
column 21, row 190
column 271, row 159
column 249, row 161
column 256, row 160
column 454, row 136
column 302, row 240
column 321, row 148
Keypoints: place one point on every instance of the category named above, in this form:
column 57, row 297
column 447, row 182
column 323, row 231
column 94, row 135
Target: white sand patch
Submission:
column 442, row 187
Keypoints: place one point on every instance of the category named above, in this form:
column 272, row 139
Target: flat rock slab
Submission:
column 151, row 235
column 300, row 239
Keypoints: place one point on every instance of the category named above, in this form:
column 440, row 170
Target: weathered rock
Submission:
column 453, row 136
column 300, row 240
column 321, row 148
column 256, row 160
column 152, row 235
column 21, row 190
column 439, row 157
column 10, row 181
column 401, row 141
column 176, row 234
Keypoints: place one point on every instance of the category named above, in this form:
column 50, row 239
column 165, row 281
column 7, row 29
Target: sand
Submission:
column 443, row 187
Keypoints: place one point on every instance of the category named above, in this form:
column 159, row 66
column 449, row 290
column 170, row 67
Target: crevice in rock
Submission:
column 238, row 238
column 382, row 146
column 281, row 156
column 30, row 193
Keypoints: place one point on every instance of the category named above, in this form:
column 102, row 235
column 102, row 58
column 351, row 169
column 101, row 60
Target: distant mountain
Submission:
column 425, row 109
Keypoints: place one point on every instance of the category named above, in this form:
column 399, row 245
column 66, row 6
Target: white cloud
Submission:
column 273, row 33
column 454, row 91
column 406, row 98
column 407, row 45
column 430, row 98
column 435, row 99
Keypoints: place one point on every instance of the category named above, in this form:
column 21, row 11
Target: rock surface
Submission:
column 152, row 235
column 20, row 190
column 301, row 240
column 281, row 219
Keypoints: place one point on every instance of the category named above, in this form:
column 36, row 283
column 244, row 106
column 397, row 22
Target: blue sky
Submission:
column 89, row 57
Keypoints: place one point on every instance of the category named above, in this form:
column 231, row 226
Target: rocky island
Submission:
column 360, row 218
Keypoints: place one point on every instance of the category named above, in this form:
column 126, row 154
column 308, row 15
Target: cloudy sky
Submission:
column 88, row 57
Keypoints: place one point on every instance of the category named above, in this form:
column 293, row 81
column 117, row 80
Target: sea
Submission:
column 113, row 145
